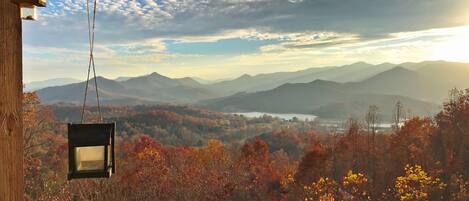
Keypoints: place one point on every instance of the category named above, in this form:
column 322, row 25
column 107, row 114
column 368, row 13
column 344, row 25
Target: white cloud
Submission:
column 131, row 34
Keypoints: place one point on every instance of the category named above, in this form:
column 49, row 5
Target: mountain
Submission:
column 120, row 79
column 157, row 81
column 347, row 73
column 205, row 81
column 74, row 93
column 420, row 86
column 148, row 89
column 449, row 74
column 456, row 74
column 430, row 82
column 338, row 74
column 33, row 86
column 326, row 99
column 328, row 91
column 403, row 82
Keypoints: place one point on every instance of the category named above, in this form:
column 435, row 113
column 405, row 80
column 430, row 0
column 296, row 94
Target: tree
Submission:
column 451, row 140
column 372, row 119
column 356, row 187
column 459, row 188
column 350, row 145
column 258, row 179
column 416, row 185
column 372, row 122
column 324, row 189
column 411, row 144
column 312, row 166
column 44, row 150
column 397, row 115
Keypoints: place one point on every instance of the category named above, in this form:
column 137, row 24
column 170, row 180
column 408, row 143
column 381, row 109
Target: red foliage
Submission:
column 312, row 166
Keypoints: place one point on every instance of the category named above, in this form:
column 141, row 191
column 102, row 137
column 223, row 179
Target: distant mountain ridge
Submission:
column 32, row 86
column 347, row 73
column 148, row 89
column 421, row 90
column 326, row 99
column 329, row 92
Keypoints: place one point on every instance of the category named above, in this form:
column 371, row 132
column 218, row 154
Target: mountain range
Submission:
column 329, row 92
column 33, row 86
column 328, row 99
column 149, row 89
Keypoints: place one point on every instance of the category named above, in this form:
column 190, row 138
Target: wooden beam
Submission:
column 11, row 93
column 28, row 3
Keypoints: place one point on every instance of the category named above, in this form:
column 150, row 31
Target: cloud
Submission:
column 121, row 20
column 135, row 35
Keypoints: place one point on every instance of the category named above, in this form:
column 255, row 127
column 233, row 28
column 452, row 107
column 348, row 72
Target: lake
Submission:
column 308, row 117
column 302, row 117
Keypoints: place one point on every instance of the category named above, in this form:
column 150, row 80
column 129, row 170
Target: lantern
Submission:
column 91, row 150
column 28, row 8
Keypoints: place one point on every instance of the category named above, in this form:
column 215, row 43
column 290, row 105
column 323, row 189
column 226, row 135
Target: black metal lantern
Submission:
column 91, row 150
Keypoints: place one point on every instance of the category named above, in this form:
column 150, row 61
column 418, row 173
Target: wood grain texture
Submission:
column 11, row 90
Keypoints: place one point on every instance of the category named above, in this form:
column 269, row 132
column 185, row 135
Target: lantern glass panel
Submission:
column 89, row 158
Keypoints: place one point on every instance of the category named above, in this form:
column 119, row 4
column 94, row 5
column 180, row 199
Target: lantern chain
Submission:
column 91, row 31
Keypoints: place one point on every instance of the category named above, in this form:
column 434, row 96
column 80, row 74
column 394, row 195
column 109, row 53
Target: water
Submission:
column 302, row 117
column 307, row 117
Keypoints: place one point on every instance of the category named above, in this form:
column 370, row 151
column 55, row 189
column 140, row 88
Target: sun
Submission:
column 455, row 47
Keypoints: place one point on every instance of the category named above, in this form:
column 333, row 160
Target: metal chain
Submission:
column 91, row 28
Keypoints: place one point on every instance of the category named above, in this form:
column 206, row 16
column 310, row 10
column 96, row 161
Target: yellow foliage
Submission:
column 288, row 180
column 356, row 186
column 322, row 190
column 416, row 185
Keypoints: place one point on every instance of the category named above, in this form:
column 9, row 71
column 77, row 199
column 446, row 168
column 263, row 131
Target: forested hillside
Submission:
column 235, row 158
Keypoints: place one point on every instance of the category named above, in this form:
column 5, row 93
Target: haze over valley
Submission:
column 327, row 92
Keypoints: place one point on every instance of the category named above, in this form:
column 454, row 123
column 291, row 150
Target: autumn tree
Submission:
column 451, row 140
column 356, row 187
column 417, row 185
column 372, row 120
column 324, row 189
column 43, row 152
column 312, row 166
column 259, row 180
column 459, row 188
column 350, row 147
column 216, row 175
column 397, row 115
column 411, row 144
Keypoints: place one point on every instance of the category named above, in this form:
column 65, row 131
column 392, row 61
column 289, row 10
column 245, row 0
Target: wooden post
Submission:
column 11, row 93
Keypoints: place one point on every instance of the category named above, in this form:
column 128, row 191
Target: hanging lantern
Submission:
column 28, row 8
column 91, row 150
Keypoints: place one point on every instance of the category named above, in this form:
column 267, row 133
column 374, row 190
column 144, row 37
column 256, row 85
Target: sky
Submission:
column 220, row 39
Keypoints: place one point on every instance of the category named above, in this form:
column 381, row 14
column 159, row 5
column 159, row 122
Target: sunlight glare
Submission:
column 454, row 48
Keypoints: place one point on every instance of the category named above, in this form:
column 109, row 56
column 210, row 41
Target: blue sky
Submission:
column 216, row 39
